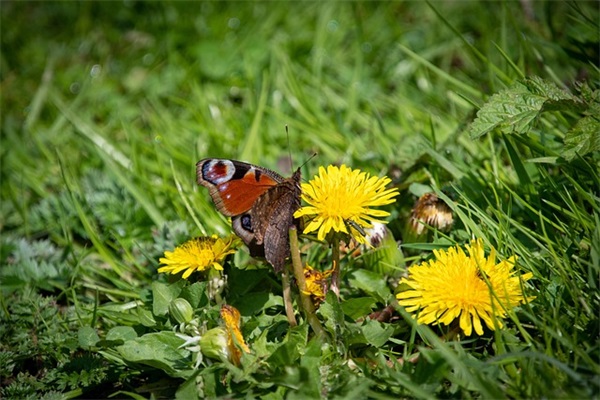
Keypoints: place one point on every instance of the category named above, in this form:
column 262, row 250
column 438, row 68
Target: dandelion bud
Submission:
column 214, row 344
column 181, row 310
column 430, row 210
column 384, row 256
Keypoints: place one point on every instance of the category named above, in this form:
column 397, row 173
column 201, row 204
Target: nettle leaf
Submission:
column 515, row 109
column 584, row 137
column 160, row 350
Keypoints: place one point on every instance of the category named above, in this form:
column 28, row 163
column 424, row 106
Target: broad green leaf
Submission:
column 195, row 294
column 310, row 362
column 163, row 295
column 121, row 333
column 332, row 314
column 377, row 333
column 160, row 350
column 289, row 351
column 87, row 337
column 431, row 367
column 254, row 303
column 358, row 307
column 371, row 283
column 145, row 317
column 189, row 389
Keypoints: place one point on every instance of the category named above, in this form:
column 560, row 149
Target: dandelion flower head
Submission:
column 198, row 254
column 453, row 286
column 340, row 196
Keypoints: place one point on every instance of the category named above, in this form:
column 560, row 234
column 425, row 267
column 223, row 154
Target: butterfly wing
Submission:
column 234, row 185
column 272, row 223
column 261, row 203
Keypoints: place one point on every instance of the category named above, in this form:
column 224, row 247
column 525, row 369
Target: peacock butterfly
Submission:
column 260, row 202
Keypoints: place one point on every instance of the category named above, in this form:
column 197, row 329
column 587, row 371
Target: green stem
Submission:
column 307, row 305
column 335, row 275
column 287, row 298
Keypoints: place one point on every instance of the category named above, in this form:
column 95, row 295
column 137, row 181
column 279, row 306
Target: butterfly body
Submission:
column 260, row 202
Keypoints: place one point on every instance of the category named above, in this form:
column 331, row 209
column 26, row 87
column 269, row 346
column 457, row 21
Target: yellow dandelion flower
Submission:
column 235, row 340
column 198, row 254
column 340, row 197
column 316, row 283
column 453, row 286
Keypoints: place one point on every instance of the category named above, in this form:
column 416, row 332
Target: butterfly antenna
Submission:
column 287, row 134
column 309, row 158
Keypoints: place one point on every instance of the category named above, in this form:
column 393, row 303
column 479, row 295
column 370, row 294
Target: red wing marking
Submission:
column 238, row 195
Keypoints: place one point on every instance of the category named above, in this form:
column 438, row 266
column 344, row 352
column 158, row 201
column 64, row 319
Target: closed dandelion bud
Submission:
column 430, row 210
column 383, row 256
column 181, row 310
column 214, row 344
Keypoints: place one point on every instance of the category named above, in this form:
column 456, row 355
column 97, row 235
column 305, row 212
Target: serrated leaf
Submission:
column 584, row 137
column 549, row 90
column 515, row 109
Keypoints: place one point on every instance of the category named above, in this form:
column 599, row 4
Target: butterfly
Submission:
column 260, row 202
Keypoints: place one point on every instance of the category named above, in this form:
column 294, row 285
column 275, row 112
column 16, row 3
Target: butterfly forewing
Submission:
column 234, row 186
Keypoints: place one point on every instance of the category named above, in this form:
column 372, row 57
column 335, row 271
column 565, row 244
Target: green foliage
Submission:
column 515, row 110
column 107, row 107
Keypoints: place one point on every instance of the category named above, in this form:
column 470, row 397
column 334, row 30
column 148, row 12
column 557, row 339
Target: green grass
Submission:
column 107, row 106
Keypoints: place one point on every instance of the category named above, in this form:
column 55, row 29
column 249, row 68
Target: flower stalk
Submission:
column 307, row 305
column 287, row 298
column 335, row 275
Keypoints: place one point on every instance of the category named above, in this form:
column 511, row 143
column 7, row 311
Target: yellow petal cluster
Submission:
column 198, row 254
column 472, row 288
column 316, row 282
column 341, row 199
